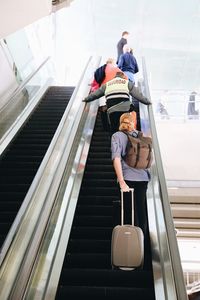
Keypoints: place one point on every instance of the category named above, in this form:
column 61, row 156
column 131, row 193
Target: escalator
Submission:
column 79, row 197
column 21, row 160
column 87, row 271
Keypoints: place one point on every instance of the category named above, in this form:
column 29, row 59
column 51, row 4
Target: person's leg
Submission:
column 104, row 117
column 114, row 120
column 135, row 107
column 140, row 210
column 140, row 215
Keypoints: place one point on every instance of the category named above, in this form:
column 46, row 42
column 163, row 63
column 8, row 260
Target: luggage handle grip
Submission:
column 122, row 206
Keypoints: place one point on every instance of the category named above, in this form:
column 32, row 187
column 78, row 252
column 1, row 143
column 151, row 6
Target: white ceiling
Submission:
column 165, row 32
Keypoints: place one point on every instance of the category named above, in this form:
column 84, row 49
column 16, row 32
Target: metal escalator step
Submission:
column 7, row 216
column 13, row 205
column 88, row 246
column 14, row 187
column 87, row 232
column 106, row 175
column 105, row 200
column 106, row 277
column 99, row 161
column 104, row 221
column 94, row 210
column 87, row 260
column 104, row 292
column 92, row 190
column 100, row 182
column 24, row 158
column 100, row 155
column 99, row 168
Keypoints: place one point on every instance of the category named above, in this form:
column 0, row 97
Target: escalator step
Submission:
column 94, row 210
column 100, row 293
column 104, row 183
column 87, row 260
column 11, row 178
column 107, row 277
column 13, row 205
column 99, row 168
column 16, row 187
column 98, row 200
column 89, row 246
column 108, row 191
column 9, row 215
column 85, row 232
column 104, row 221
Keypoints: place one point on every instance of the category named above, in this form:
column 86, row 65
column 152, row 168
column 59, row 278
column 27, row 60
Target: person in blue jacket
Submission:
column 128, row 64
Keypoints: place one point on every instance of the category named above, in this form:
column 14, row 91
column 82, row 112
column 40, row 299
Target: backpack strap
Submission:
column 136, row 135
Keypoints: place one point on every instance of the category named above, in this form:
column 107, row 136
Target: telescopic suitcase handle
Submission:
column 122, row 206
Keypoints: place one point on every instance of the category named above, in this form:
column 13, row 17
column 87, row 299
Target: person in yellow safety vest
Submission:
column 117, row 93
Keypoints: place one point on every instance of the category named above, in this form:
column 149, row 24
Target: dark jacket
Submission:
column 120, row 46
column 127, row 62
column 99, row 74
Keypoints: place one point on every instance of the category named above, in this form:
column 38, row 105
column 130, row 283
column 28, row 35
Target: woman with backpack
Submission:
column 129, row 177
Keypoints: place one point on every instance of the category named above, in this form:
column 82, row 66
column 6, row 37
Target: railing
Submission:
column 175, row 105
column 168, row 274
column 40, row 200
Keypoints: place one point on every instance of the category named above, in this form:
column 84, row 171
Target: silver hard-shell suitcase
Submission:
column 127, row 245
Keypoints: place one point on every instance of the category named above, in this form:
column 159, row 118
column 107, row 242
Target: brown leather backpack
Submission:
column 139, row 153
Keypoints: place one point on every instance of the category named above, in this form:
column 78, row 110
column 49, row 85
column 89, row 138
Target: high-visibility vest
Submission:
column 117, row 88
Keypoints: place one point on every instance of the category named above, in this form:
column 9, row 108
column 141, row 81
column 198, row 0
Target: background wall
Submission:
column 180, row 148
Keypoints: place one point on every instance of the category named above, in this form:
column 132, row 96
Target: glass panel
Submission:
column 20, row 98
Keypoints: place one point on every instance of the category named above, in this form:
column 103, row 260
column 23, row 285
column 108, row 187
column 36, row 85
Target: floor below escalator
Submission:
column 22, row 158
column 87, row 271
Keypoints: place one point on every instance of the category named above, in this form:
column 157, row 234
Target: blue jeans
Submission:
column 130, row 76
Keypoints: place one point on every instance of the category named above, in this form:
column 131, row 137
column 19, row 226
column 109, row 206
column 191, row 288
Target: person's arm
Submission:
column 118, row 170
column 134, row 91
column 116, row 150
column 95, row 95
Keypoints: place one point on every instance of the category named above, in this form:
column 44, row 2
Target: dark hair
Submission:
column 125, row 32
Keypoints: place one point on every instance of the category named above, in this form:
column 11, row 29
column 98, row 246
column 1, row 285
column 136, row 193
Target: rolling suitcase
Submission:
column 127, row 245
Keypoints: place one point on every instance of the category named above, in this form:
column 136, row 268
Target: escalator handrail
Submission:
column 166, row 210
column 36, row 208
column 19, row 89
